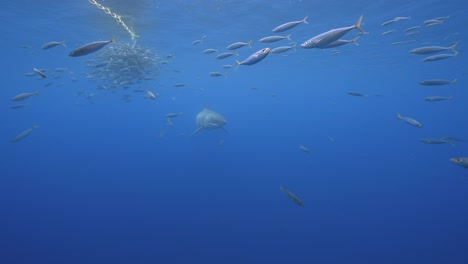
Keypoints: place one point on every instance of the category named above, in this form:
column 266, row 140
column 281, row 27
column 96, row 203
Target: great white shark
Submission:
column 207, row 119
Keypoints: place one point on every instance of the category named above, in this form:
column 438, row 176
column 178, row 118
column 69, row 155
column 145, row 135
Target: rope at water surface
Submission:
column 117, row 17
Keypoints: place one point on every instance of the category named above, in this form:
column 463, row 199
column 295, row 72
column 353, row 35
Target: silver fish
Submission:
column 150, row 94
column 18, row 106
column 340, row 42
column 237, row 45
column 23, row 134
column 386, row 23
column 217, row 74
column 180, row 85
column 292, row 196
column 52, row 44
column 439, row 57
column 270, row 39
column 23, row 96
column 356, row 93
column 226, row 54
column 39, row 72
column 209, row 51
column 437, row 82
column 171, row 115
column 331, row 36
column 388, row 32
column 284, row 48
column 90, row 48
column 289, row 25
column 255, row 57
column 411, row 28
column 409, row 120
column 433, row 49
column 437, row 98
column 435, row 141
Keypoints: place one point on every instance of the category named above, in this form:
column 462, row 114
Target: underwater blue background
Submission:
column 103, row 180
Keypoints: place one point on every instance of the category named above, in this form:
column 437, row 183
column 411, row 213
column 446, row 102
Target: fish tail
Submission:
column 293, row 46
column 63, row 44
column 112, row 39
column 456, row 53
column 450, row 98
column 248, row 43
column 238, row 64
column 354, row 40
column 452, row 47
column 305, row 20
column 36, row 91
column 399, row 116
column 35, row 125
column 288, row 36
column 454, row 81
column 358, row 24
column 237, row 53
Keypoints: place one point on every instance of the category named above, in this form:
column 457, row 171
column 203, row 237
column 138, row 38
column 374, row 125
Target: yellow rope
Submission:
column 118, row 18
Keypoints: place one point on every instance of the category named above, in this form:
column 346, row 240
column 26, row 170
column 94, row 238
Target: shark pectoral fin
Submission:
column 196, row 131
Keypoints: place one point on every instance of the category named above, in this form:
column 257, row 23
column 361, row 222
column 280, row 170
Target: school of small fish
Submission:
column 116, row 66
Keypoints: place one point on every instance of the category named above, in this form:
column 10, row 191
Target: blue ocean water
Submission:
column 105, row 179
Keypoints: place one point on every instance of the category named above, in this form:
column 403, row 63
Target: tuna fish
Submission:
column 331, row 36
column 90, row 48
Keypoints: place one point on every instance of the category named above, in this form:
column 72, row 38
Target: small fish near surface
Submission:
column 39, row 72
column 356, row 94
column 216, row 74
column 331, row 36
column 90, row 48
column 255, row 57
column 284, row 48
column 437, row 82
column 460, row 161
column 180, row 84
column 436, row 141
column 23, row 96
column 23, row 134
column 171, row 115
column 437, row 98
column 340, row 42
column 439, row 57
column 150, row 94
column 289, row 25
column 52, row 44
column 209, row 51
column 409, row 120
column 291, row 196
column 238, row 45
column 270, row 39
column 226, row 54
column 207, row 119
column 303, row 148
column 432, row 49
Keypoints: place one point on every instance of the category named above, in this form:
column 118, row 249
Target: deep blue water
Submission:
column 103, row 180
